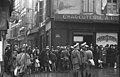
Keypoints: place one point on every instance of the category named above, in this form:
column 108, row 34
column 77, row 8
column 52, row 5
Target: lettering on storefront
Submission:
column 106, row 38
column 89, row 17
column 79, row 18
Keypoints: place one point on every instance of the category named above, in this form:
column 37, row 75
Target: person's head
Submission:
column 23, row 50
column 86, row 47
column 25, row 45
column 113, row 47
column 107, row 45
column 68, row 47
column 58, row 47
column 19, row 50
column 52, row 48
column 29, row 47
column 8, row 45
column 16, row 47
column 76, row 46
column 47, row 48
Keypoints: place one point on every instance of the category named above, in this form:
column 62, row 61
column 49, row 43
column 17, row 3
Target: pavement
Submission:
column 105, row 72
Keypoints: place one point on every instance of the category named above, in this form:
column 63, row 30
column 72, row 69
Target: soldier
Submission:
column 87, row 61
column 75, row 58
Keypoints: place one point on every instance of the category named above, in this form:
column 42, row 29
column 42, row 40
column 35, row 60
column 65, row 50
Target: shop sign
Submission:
column 106, row 38
column 86, row 17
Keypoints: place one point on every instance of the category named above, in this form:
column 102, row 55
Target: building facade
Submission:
column 91, row 21
column 6, row 7
column 23, row 20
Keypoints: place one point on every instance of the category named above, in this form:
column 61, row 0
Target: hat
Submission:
column 83, row 44
column 77, row 44
column 86, row 46
column 47, row 47
column 8, row 44
column 71, row 46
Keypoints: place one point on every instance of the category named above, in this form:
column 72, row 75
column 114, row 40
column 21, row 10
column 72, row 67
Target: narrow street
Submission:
column 108, row 72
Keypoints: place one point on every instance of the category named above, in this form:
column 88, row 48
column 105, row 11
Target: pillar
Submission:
column 1, row 52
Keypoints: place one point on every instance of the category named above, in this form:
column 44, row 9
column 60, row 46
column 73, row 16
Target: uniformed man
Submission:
column 87, row 61
column 75, row 58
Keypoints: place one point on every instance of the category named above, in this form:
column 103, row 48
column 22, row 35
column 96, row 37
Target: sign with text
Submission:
column 106, row 38
column 78, row 38
column 94, row 18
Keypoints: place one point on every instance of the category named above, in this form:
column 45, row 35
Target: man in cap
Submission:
column 86, row 61
column 75, row 58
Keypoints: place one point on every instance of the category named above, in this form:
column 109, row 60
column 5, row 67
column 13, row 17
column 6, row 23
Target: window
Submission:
column 41, row 11
column 109, row 0
column 114, row 1
column 88, row 6
column 112, row 6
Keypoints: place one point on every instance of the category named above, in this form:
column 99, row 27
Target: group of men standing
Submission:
column 82, row 59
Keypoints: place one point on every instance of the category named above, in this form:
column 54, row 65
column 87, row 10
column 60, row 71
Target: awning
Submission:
column 35, row 30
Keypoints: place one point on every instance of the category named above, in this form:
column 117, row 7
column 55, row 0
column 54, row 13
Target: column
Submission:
column 1, row 53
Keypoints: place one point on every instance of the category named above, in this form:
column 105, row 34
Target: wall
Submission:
column 80, row 6
column 60, row 38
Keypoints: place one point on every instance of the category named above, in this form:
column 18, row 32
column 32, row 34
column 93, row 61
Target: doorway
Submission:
column 88, row 39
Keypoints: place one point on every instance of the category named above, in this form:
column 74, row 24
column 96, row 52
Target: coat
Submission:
column 75, row 58
column 23, row 59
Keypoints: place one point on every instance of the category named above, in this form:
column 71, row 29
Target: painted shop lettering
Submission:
column 91, row 17
column 106, row 38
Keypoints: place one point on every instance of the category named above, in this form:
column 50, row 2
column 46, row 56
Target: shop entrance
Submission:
column 83, row 37
column 88, row 39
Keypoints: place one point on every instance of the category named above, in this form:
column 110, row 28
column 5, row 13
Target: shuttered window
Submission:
column 112, row 6
column 88, row 6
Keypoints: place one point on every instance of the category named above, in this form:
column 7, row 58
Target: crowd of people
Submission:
column 61, row 58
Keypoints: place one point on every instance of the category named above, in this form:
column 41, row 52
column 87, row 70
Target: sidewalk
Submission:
column 107, row 72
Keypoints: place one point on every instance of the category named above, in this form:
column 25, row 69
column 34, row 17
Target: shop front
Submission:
column 70, row 29
column 33, row 37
